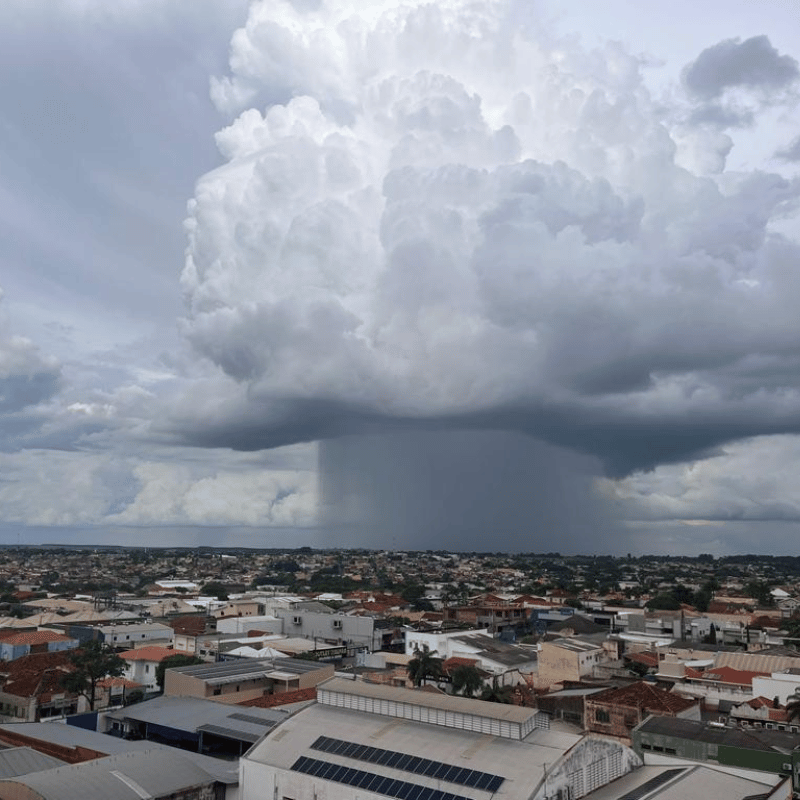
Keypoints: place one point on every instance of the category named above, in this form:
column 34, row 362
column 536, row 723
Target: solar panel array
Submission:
column 652, row 784
column 419, row 766
column 369, row 781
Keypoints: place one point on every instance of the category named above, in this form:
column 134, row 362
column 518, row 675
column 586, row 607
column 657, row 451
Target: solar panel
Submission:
column 650, row 785
column 403, row 790
column 267, row 723
column 408, row 763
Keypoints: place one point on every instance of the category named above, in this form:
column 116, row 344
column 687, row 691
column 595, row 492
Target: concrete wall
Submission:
column 333, row 628
column 241, row 625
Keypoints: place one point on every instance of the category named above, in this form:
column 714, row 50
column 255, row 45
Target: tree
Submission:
column 424, row 665
column 215, row 589
column 496, row 693
column 466, row 680
column 793, row 706
column 178, row 660
column 663, row 602
column 90, row 664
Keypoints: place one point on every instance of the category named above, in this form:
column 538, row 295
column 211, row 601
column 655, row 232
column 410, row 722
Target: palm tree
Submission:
column 466, row 679
column 793, row 706
column 424, row 665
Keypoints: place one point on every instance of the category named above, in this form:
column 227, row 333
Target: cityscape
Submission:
column 207, row 672
column 399, row 399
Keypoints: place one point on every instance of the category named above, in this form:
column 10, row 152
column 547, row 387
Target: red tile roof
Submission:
column 152, row 653
column 35, row 637
column 648, row 659
column 36, row 674
column 282, row 698
column 730, row 675
column 645, row 696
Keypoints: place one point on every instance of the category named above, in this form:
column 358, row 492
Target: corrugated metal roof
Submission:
column 128, row 776
column 70, row 736
column 23, row 760
column 477, row 708
column 190, row 714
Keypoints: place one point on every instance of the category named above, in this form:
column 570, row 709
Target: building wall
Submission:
column 241, row 625
column 616, row 720
column 779, row 685
column 143, row 672
column 659, row 744
column 557, row 664
column 332, row 628
column 592, row 763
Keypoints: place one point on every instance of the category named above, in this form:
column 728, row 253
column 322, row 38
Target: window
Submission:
column 147, row 668
column 601, row 716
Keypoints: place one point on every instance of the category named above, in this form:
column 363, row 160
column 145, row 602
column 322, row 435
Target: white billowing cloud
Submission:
column 438, row 212
column 170, row 494
column 51, row 488
column 754, row 480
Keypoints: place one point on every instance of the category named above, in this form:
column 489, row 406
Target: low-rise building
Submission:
column 14, row 645
column 245, row 679
column 616, row 712
column 563, row 660
column 142, row 664
column 380, row 740
column 749, row 753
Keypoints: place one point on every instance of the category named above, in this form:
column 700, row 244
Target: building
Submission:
column 135, row 635
column 156, row 774
column 74, row 745
column 616, row 712
column 563, row 660
column 200, row 726
column 142, row 664
column 31, row 688
column 242, row 607
column 749, row 753
column 368, row 740
column 319, row 622
column 245, row 679
column 14, row 645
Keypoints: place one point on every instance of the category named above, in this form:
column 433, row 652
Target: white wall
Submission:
column 778, row 684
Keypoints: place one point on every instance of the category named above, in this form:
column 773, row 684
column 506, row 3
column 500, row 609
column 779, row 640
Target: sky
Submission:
column 495, row 275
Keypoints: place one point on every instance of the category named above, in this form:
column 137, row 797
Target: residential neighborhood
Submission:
column 244, row 667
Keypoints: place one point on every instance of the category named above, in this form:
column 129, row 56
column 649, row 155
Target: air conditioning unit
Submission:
column 297, row 620
column 337, row 623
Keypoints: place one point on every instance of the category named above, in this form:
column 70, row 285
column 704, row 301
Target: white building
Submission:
column 778, row 684
column 142, row 664
column 374, row 741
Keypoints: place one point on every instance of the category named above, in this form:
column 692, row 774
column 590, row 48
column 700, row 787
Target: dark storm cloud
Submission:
column 428, row 490
column 753, row 64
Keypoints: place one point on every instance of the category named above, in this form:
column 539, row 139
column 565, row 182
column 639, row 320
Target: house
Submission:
column 567, row 660
column 142, row 664
column 14, row 645
column 245, row 679
column 31, row 688
column 319, row 622
column 616, row 712
column 242, row 607
column 362, row 738
column 136, row 634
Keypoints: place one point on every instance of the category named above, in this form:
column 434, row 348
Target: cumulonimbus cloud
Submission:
column 441, row 218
